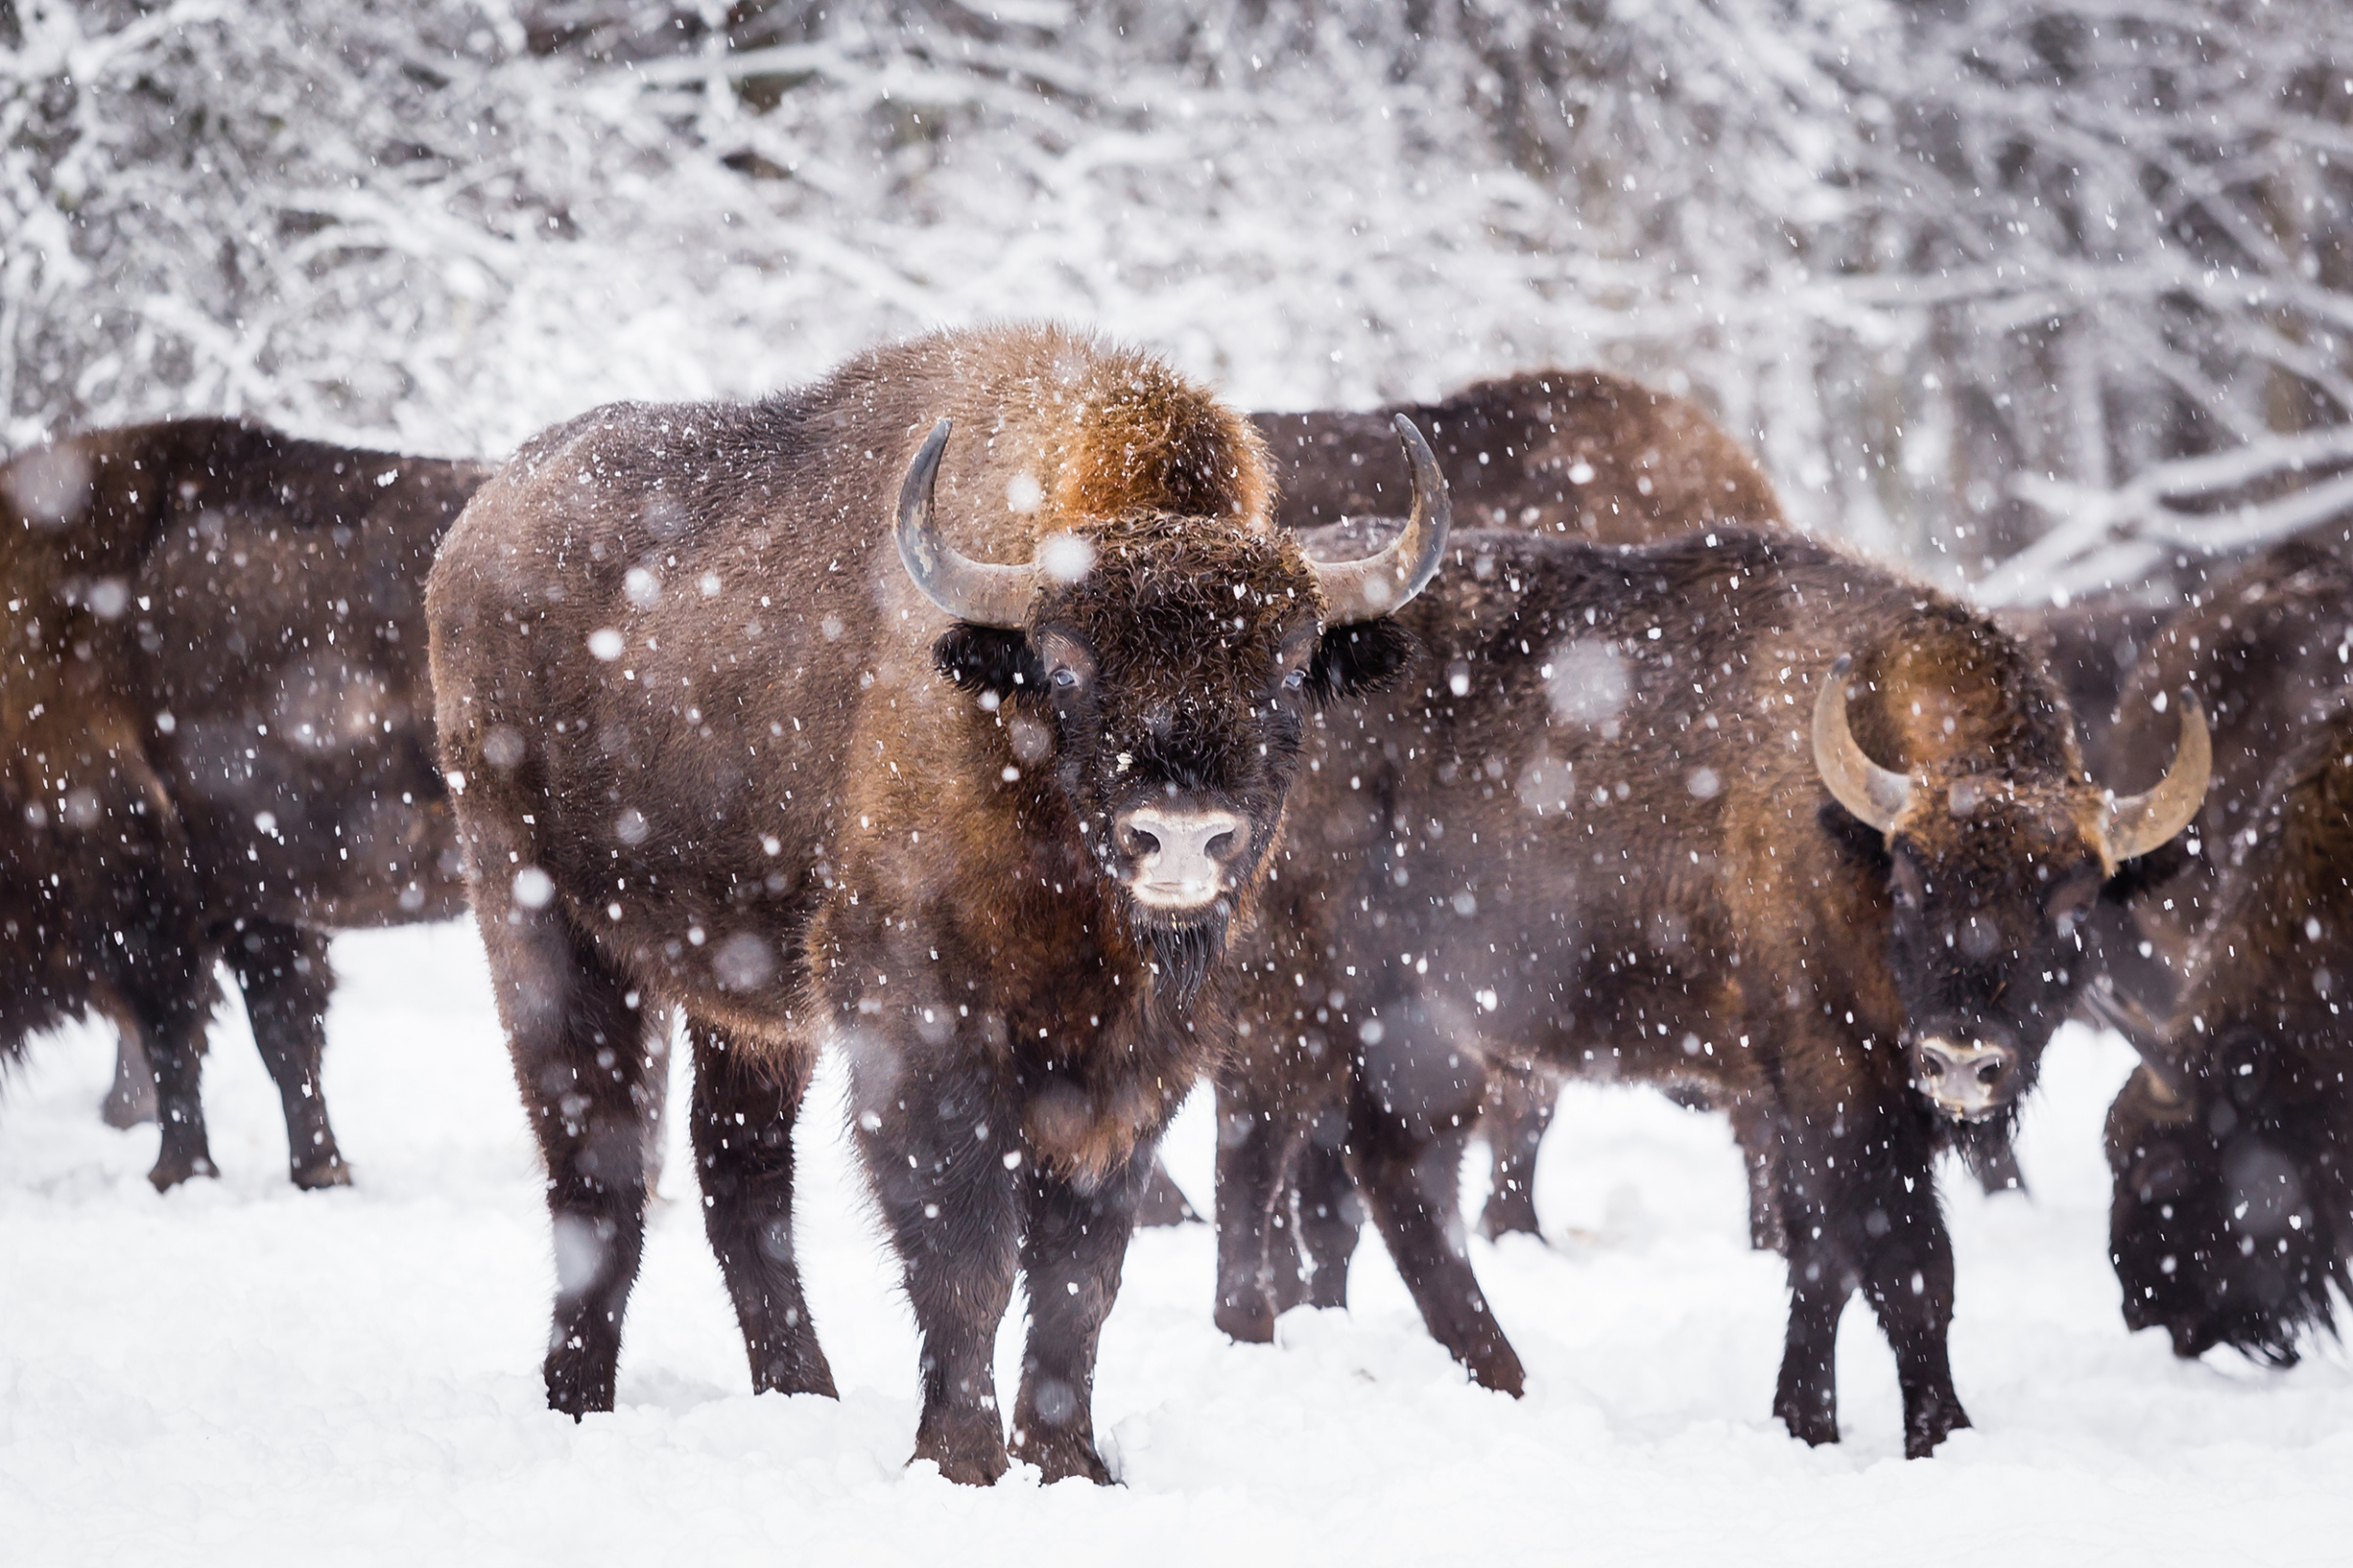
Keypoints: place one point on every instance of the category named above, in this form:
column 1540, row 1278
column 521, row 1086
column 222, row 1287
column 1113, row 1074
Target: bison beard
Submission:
column 1182, row 955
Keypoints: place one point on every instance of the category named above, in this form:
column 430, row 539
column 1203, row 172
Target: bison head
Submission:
column 2220, row 1228
column 1162, row 667
column 1991, row 871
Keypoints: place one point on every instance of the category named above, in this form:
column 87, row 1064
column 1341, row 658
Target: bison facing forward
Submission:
column 1614, row 818
column 217, row 742
column 978, row 797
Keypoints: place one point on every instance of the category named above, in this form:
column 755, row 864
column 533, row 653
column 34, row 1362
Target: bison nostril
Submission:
column 1220, row 848
column 1989, row 1072
column 1141, row 843
column 1935, row 1066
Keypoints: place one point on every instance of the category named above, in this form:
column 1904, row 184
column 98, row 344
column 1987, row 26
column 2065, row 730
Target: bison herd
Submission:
column 1009, row 715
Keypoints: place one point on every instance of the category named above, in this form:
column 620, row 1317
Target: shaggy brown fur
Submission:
column 1557, row 451
column 2265, row 650
column 218, row 742
column 709, row 759
column 1575, row 451
column 1589, row 828
column 2233, row 1213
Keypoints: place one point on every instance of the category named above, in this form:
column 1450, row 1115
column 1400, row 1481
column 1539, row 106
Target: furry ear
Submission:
column 1362, row 657
column 988, row 659
column 2147, row 872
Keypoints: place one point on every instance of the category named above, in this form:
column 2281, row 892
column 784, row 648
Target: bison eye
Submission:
column 1295, row 681
column 1065, row 679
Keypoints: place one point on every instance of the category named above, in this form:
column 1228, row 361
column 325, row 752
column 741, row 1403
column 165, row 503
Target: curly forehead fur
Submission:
column 1949, row 694
column 1154, row 571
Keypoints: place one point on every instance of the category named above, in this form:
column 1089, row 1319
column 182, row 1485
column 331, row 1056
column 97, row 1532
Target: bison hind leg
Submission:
column 1165, row 1204
column 1515, row 1114
column 283, row 972
column 1408, row 1172
column 1330, row 1216
column 131, row 1102
column 746, row 1099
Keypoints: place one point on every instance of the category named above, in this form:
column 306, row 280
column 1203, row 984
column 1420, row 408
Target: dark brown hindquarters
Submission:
column 219, row 745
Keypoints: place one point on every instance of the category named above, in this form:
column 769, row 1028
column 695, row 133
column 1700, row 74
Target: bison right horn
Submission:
column 973, row 591
column 1356, row 591
column 1874, row 794
column 2138, row 823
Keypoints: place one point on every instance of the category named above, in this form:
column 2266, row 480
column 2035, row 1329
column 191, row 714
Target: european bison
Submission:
column 1615, row 818
column 1581, row 451
column 2264, row 650
column 978, row 794
column 2233, row 1211
column 219, row 742
column 1577, row 452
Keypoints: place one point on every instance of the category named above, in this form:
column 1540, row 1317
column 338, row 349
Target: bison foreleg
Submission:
column 1071, row 1256
column 935, row 1157
column 1806, row 1397
column 1860, row 1207
column 1517, row 1110
column 744, row 1108
column 1410, row 1181
column 1908, row 1279
column 283, row 972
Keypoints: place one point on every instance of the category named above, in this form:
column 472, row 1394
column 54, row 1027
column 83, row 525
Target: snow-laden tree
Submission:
column 2067, row 277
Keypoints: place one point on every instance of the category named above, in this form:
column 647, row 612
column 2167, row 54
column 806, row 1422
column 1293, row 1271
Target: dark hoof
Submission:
column 577, row 1386
column 1495, row 1365
column 1248, row 1320
column 976, row 1462
column 1810, row 1423
column 313, row 1175
column 1058, row 1457
column 793, row 1369
column 1925, row 1428
column 128, row 1106
column 172, row 1169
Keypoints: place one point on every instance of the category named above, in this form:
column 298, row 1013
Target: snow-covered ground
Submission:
column 241, row 1373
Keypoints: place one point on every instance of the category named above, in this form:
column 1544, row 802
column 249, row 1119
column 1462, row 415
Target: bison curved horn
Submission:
column 2114, row 1010
column 1366, row 590
column 2138, row 823
column 1876, row 795
column 974, row 591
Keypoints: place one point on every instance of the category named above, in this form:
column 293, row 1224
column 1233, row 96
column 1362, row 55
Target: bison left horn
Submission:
column 974, row 591
column 1364, row 590
column 2138, row 823
column 1876, row 795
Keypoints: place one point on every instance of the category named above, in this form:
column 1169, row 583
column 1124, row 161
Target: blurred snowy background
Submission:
column 2034, row 293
